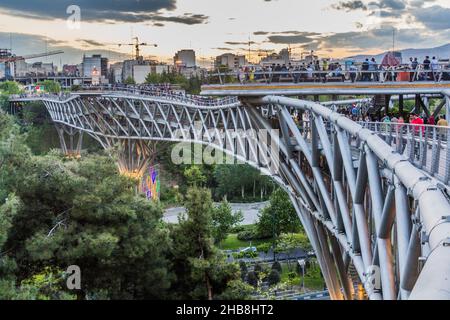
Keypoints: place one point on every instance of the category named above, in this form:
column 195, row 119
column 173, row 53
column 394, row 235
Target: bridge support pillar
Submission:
column 134, row 157
column 71, row 140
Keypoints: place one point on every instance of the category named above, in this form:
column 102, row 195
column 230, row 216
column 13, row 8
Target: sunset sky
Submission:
column 211, row 27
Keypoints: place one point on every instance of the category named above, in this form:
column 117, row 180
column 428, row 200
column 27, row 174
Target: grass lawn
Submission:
column 233, row 243
column 313, row 281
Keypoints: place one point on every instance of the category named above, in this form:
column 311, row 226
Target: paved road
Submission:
column 250, row 211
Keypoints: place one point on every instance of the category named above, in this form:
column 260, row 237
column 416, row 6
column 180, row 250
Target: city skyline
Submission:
column 330, row 28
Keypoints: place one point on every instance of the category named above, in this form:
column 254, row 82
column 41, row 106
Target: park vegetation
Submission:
column 56, row 212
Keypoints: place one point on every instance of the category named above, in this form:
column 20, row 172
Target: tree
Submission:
column 50, row 86
column 236, row 290
column 9, row 87
column 279, row 216
column 244, row 269
column 288, row 242
column 252, row 279
column 6, row 89
column 153, row 78
column 82, row 212
column 277, row 266
column 237, row 181
column 194, row 176
column 13, row 154
column 258, row 269
column 274, row 277
column 202, row 271
column 129, row 81
column 223, row 220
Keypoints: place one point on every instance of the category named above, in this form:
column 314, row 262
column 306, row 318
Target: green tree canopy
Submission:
column 9, row 87
column 50, row 86
column 129, row 81
column 240, row 181
column 279, row 216
column 223, row 220
column 82, row 212
column 194, row 176
column 202, row 271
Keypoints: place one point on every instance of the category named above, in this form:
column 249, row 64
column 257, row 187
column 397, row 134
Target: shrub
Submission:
column 247, row 235
column 251, row 232
column 264, row 247
column 277, row 266
column 274, row 277
column 250, row 254
column 252, row 279
column 169, row 195
column 258, row 268
column 237, row 229
column 244, row 269
column 292, row 275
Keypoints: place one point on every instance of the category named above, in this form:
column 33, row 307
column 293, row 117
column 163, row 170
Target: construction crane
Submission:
column 12, row 58
column 137, row 46
column 291, row 50
column 264, row 53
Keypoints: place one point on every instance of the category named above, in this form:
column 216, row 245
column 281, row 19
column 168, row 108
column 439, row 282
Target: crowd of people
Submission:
column 168, row 91
column 368, row 70
column 355, row 113
column 173, row 93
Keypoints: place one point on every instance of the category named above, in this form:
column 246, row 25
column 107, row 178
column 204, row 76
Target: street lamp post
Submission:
column 302, row 264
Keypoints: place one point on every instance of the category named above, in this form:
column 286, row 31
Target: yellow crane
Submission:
column 137, row 46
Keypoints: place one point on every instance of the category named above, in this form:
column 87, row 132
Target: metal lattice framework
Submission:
column 364, row 206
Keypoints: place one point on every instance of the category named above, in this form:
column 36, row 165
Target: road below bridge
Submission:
column 249, row 210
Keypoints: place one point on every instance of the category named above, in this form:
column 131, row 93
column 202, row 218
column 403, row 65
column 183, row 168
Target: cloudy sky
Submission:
column 211, row 27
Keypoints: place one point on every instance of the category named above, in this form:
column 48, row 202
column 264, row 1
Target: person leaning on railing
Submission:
column 443, row 127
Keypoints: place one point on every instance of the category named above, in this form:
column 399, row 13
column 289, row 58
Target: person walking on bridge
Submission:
column 414, row 66
column 435, row 68
column 365, row 70
column 374, row 68
column 412, row 69
column 426, row 67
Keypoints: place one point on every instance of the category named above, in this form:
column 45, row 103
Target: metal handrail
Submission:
column 380, row 73
column 433, row 204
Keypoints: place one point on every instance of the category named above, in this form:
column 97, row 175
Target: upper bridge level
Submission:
column 335, row 79
column 247, row 89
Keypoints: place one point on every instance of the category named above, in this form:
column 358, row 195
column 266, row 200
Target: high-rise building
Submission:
column 96, row 62
column 71, row 70
column 230, row 60
column 116, row 72
column 284, row 57
column 184, row 59
column 140, row 72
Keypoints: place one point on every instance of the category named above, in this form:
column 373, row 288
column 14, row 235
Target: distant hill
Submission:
column 442, row 52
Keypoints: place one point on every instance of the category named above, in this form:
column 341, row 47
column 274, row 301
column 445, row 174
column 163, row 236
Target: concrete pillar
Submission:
column 70, row 139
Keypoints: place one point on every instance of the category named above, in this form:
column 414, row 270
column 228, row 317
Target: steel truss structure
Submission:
column 364, row 206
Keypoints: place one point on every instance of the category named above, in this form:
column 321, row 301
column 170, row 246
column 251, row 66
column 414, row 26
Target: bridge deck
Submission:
column 339, row 88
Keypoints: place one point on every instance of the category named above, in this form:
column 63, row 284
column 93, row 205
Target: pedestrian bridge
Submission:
column 372, row 198
column 317, row 88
